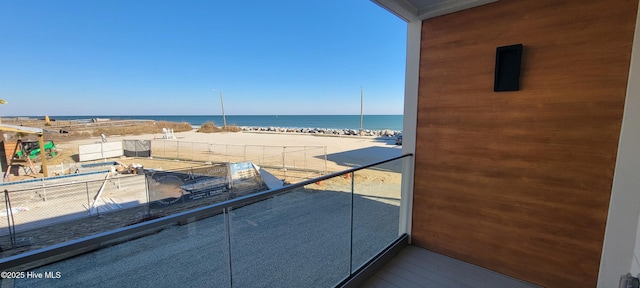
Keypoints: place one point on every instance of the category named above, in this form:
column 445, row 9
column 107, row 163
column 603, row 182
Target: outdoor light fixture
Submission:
column 508, row 64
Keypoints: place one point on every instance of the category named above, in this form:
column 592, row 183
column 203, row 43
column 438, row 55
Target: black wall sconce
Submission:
column 508, row 63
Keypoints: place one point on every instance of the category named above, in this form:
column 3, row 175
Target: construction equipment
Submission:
column 27, row 130
column 31, row 168
column 31, row 149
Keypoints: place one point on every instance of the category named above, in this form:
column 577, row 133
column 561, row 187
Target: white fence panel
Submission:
column 100, row 151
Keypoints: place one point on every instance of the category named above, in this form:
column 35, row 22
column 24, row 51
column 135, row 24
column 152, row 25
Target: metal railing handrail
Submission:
column 39, row 180
column 52, row 186
column 97, row 239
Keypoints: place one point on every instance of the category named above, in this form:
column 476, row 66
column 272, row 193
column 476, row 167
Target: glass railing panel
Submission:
column 44, row 213
column 376, row 206
column 190, row 254
column 183, row 189
column 146, row 230
column 297, row 239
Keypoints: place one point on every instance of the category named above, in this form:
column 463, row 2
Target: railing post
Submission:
column 44, row 191
column 406, row 196
column 227, row 228
column 351, row 224
column 86, row 189
column 284, row 168
column 146, row 187
column 11, row 224
column 325, row 160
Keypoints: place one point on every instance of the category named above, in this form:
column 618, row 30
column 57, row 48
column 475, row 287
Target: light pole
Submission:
column 224, row 119
column 361, row 108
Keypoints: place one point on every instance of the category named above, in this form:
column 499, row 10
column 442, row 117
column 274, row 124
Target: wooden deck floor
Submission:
column 417, row 267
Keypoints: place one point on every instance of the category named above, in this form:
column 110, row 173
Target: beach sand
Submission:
column 342, row 152
column 374, row 187
column 305, row 156
column 288, row 156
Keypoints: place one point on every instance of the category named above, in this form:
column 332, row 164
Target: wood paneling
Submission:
column 519, row 182
column 7, row 149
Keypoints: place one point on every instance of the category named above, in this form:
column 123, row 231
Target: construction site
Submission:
column 118, row 183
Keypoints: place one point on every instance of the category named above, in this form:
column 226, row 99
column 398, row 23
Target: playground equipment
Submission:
column 31, row 149
column 28, row 130
column 31, row 168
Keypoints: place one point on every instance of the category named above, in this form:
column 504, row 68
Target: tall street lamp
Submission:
column 224, row 119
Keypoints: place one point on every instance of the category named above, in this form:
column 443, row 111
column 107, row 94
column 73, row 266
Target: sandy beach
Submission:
column 334, row 154
column 342, row 151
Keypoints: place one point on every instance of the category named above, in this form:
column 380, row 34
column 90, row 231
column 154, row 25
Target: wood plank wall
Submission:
column 8, row 148
column 519, row 182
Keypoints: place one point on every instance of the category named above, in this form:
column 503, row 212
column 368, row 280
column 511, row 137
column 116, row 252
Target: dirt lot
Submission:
column 380, row 183
column 67, row 133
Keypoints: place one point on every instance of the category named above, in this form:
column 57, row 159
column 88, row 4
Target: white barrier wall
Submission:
column 100, row 151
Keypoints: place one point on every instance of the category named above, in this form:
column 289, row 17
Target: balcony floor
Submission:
column 417, row 267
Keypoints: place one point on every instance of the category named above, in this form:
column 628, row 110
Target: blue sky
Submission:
column 274, row 57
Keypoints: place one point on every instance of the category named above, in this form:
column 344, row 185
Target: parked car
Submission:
column 399, row 139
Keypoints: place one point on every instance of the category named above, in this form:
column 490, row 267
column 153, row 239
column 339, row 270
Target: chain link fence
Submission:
column 285, row 162
column 40, row 213
column 37, row 212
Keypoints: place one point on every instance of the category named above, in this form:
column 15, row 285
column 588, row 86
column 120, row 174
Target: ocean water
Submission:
column 370, row 122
